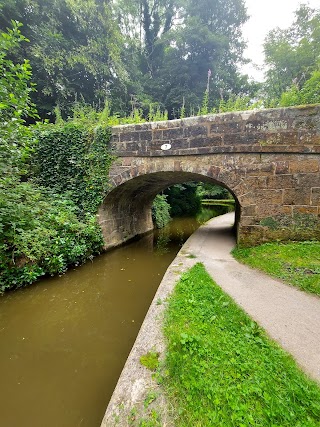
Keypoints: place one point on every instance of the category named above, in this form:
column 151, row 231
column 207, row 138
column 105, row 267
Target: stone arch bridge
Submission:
column 268, row 159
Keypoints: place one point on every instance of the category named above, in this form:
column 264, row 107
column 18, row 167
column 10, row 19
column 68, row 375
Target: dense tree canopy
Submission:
column 133, row 53
column 75, row 49
column 177, row 43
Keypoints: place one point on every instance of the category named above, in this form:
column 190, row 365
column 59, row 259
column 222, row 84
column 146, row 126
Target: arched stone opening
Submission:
column 126, row 210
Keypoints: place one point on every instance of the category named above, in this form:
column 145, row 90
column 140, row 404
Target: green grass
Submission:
column 222, row 370
column 296, row 263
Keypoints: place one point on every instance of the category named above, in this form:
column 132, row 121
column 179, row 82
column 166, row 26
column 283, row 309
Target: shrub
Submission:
column 161, row 211
column 41, row 234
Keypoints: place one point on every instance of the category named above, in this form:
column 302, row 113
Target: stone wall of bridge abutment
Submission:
column 268, row 159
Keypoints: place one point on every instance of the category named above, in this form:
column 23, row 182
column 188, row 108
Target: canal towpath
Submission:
column 291, row 317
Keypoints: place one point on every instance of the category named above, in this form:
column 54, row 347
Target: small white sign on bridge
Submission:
column 165, row 146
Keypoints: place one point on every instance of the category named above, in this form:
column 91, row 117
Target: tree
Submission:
column 75, row 49
column 308, row 94
column 178, row 42
column 292, row 54
column 15, row 104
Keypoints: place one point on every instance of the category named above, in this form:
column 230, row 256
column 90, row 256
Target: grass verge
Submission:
column 221, row 368
column 297, row 263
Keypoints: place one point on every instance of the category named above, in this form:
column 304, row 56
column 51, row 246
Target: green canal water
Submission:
column 64, row 340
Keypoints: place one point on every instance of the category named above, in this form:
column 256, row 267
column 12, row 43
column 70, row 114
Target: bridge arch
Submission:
column 126, row 210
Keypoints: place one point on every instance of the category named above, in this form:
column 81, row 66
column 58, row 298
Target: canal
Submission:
column 64, row 340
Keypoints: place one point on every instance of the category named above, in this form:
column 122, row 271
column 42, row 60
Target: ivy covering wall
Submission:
column 73, row 159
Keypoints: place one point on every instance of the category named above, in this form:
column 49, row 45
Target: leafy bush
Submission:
column 161, row 211
column 41, row 234
column 212, row 191
column 47, row 224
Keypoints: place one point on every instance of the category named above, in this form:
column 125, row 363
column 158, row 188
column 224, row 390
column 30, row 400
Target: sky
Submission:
column 266, row 15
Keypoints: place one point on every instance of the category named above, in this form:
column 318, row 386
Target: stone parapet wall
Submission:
column 295, row 130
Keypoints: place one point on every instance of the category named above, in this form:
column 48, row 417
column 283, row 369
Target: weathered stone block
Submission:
column 255, row 182
column 177, row 166
column 198, row 142
column 304, row 166
column 315, row 196
column 194, row 131
column 179, row 143
column 157, row 135
column 249, row 211
column 269, row 197
column 171, row 134
column 260, row 170
column 305, row 209
column 308, row 180
column 129, row 136
column 226, row 127
column 146, row 135
column 214, row 172
column 269, row 209
column 296, row 196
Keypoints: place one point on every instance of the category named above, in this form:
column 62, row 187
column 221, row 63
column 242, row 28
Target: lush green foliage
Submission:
column 161, row 211
column 75, row 50
column 212, row 191
column 41, row 234
column 223, row 370
column 292, row 54
column 73, row 159
column 15, row 104
column 181, row 42
column 239, row 103
column 42, row 230
column 296, row 263
column 183, row 199
column 308, row 94
column 135, row 53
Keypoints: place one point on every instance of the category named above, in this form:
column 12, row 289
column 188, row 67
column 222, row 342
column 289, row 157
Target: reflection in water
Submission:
column 65, row 339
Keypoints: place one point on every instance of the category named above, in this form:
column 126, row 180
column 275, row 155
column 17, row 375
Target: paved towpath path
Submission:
column 290, row 316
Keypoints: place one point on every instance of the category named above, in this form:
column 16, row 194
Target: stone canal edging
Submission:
column 135, row 382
